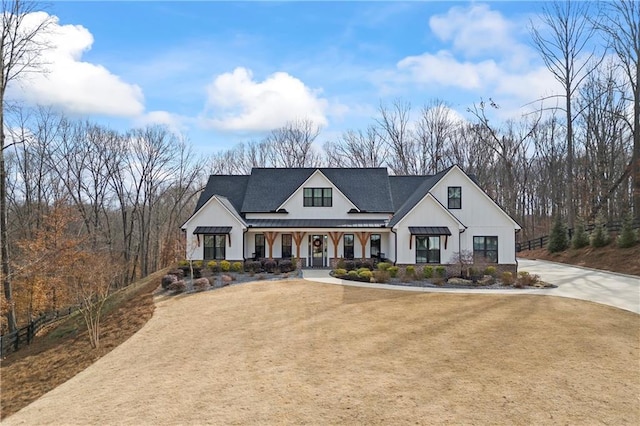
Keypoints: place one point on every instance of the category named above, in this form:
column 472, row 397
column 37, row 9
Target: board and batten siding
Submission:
column 427, row 213
column 213, row 213
column 479, row 214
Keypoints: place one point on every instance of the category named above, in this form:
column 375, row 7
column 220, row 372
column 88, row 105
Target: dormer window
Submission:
column 317, row 197
column 455, row 197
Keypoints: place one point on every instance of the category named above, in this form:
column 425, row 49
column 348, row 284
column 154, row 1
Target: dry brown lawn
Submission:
column 303, row 353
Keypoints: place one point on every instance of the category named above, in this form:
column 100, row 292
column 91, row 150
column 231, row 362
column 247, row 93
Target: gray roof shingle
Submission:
column 233, row 187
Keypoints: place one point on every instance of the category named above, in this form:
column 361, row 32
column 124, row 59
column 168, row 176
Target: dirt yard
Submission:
column 302, row 353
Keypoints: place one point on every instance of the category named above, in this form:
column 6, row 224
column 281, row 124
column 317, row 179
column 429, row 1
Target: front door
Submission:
column 317, row 250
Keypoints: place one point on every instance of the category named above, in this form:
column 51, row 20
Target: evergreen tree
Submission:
column 628, row 236
column 600, row 235
column 580, row 237
column 558, row 238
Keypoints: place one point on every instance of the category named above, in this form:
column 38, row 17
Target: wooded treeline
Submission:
column 122, row 196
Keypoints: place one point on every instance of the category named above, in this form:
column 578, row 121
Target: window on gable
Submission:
column 427, row 249
column 286, row 246
column 454, row 195
column 485, row 248
column 214, row 246
column 348, row 246
column 317, row 197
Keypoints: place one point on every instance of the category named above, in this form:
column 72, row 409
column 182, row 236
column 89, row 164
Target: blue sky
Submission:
column 227, row 72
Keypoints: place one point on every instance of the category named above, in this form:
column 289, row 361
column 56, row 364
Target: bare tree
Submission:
column 357, row 149
column 434, row 130
column 621, row 25
column 292, row 144
column 563, row 44
column 21, row 48
column 393, row 128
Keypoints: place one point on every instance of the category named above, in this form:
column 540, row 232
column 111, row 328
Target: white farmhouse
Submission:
column 320, row 215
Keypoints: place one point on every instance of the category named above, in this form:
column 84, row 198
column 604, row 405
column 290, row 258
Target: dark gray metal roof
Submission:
column 316, row 223
column 212, row 230
column 233, row 187
column 429, row 230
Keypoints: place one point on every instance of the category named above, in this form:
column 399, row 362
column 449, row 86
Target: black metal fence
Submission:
column 11, row 342
column 540, row 242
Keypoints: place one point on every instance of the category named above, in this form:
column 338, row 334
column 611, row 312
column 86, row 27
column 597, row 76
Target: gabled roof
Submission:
column 403, row 186
column 417, row 195
column 367, row 189
column 232, row 187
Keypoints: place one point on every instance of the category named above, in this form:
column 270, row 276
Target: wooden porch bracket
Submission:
column 297, row 237
column 335, row 239
column 271, row 238
column 363, row 237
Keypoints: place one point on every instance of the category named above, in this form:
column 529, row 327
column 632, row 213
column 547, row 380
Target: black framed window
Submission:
column 485, row 248
column 348, row 246
column 286, row 245
column 318, row 197
column 215, row 246
column 374, row 245
column 454, row 195
column 427, row 249
column 259, row 254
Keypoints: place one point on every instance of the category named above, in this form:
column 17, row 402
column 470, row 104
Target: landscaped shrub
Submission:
column 558, row 237
column 167, row 280
column 490, row 270
column 410, row 273
column 357, row 264
column 363, row 269
column 427, row 272
column 580, row 237
column 286, row 265
column 213, row 266
column 177, row 287
column 526, row 279
column 197, row 272
column 183, row 263
column 253, row 266
column 384, row 266
column 599, row 236
column 200, row 284
column 393, row 271
column 628, row 237
column 236, row 267
column 179, row 273
column 441, row 272
column 507, row 278
column 225, row 266
column 365, row 274
column 341, row 264
column 270, row 266
column 339, row 272
column 352, row 274
column 349, row 265
column 381, row 276
column 366, row 264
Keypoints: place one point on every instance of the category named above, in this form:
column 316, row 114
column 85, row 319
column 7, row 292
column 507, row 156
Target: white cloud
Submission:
column 72, row 84
column 237, row 102
column 174, row 122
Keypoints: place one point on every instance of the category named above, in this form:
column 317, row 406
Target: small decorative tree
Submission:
column 465, row 259
column 628, row 237
column 558, row 237
column 600, row 235
column 580, row 237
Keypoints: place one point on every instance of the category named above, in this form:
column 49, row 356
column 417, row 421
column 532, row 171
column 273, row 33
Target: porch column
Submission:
column 363, row 237
column 335, row 239
column 297, row 237
column 271, row 238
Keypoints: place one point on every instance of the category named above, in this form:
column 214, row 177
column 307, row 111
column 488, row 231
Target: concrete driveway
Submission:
column 608, row 288
column 620, row 291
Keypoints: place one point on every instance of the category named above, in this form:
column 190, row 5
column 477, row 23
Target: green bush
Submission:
column 236, row 267
column 490, row 270
column 427, row 272
column 580, row 237
column 225, row 266
column 393, row 271
column 365, row 274
column 599, row 236
column 213, row 266
column 628, row 237
column 353, row 274
column 183, row 263
column 383, row 266
column 507, row 278
column 339, row 272
column 558, row 237
column 441, row 271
